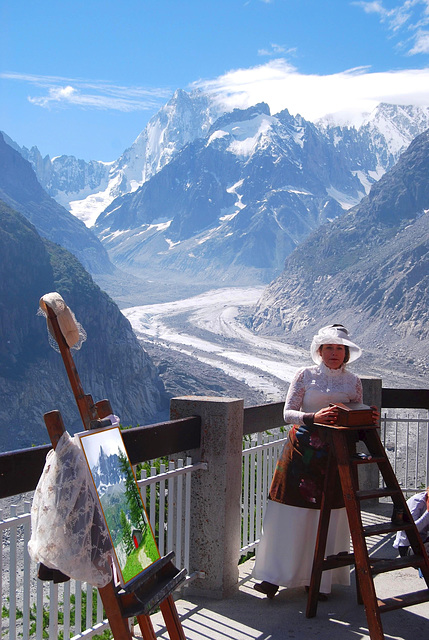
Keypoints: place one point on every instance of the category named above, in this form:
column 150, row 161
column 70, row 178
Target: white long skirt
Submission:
column 285, row 553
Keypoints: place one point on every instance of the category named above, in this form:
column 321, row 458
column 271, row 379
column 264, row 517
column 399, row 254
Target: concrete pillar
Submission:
column 372, row 388
column 216, row 493
column 368, row 473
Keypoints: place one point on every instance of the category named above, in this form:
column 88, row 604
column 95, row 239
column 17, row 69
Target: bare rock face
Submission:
column 111, row 363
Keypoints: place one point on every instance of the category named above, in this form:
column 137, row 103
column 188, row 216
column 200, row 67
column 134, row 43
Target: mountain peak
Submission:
column 371, row 265
column 240, row 115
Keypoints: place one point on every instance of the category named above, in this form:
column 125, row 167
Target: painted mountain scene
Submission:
column 123, row 508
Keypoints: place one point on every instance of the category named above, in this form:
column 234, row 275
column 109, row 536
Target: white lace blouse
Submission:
column 316, row 387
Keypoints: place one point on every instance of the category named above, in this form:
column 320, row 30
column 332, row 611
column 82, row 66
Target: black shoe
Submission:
column 267, row 588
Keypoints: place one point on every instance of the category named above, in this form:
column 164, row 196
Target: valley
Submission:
column 203, row 229
column 202, row 345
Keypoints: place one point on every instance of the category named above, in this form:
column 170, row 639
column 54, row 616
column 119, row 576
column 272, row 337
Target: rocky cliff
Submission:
column 368, row 270
column 111, row 363
column 20, row 189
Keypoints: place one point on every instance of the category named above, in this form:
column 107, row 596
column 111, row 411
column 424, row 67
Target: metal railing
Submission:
column 405, row 436
column 32, row 608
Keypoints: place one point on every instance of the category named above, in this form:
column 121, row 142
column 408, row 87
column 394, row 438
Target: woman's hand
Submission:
column 327, row 415
column 375, row 415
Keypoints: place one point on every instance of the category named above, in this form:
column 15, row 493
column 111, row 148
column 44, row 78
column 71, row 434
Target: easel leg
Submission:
column 146, row 627
column 171, row 618
column 118, row 624
column 350, row 486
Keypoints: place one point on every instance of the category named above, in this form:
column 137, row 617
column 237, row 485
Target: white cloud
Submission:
column 282, row 86
column 421, row 44
column 276, row 50
column 407, row 16
column 62, row 92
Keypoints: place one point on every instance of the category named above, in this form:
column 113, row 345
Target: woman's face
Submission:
column 333, row 355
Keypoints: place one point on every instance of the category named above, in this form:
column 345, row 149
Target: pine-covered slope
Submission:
column 111, row 362
column 368, row 269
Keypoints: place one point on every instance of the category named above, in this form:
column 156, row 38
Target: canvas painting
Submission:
column 121, row 502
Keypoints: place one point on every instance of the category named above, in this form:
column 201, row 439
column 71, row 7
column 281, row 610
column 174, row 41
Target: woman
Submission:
column 285, row 552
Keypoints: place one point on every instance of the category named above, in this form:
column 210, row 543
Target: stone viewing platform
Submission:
column 248, row 615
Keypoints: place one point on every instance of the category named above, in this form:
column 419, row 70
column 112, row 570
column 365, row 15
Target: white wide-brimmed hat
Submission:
column 333, row 334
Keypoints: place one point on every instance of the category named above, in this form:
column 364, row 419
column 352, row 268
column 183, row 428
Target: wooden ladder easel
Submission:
column 155, row 589
column 344, row 460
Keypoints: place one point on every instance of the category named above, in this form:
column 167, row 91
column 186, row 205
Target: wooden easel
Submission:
column 344, row 460
column 155, row 585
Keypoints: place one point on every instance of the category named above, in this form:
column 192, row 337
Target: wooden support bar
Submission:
column 55, row 426
column 103, row 408
column 258, row 418
column 405, row 398
column 407, row 600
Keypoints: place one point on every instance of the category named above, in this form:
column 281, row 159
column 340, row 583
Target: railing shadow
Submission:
column 248, row 615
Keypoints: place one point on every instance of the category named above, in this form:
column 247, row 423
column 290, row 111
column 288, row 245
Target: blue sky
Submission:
column 83, row 78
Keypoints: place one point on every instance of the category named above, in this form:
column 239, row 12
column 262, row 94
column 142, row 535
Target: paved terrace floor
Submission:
column 249, row 615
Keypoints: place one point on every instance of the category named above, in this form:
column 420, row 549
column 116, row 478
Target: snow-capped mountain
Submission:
column 241, row 186
column 183, row 119
column 20, row 189
column 394, row 127
column 105, row 471
column 67, row 179
column 227, row 195
column 232, row 204
column 368, row 269
column 87, row 188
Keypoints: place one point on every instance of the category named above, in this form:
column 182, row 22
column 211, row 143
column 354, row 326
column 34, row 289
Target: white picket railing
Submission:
column 168, row 492
column 405, row 436
column 260, row 455
column 30, row 606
